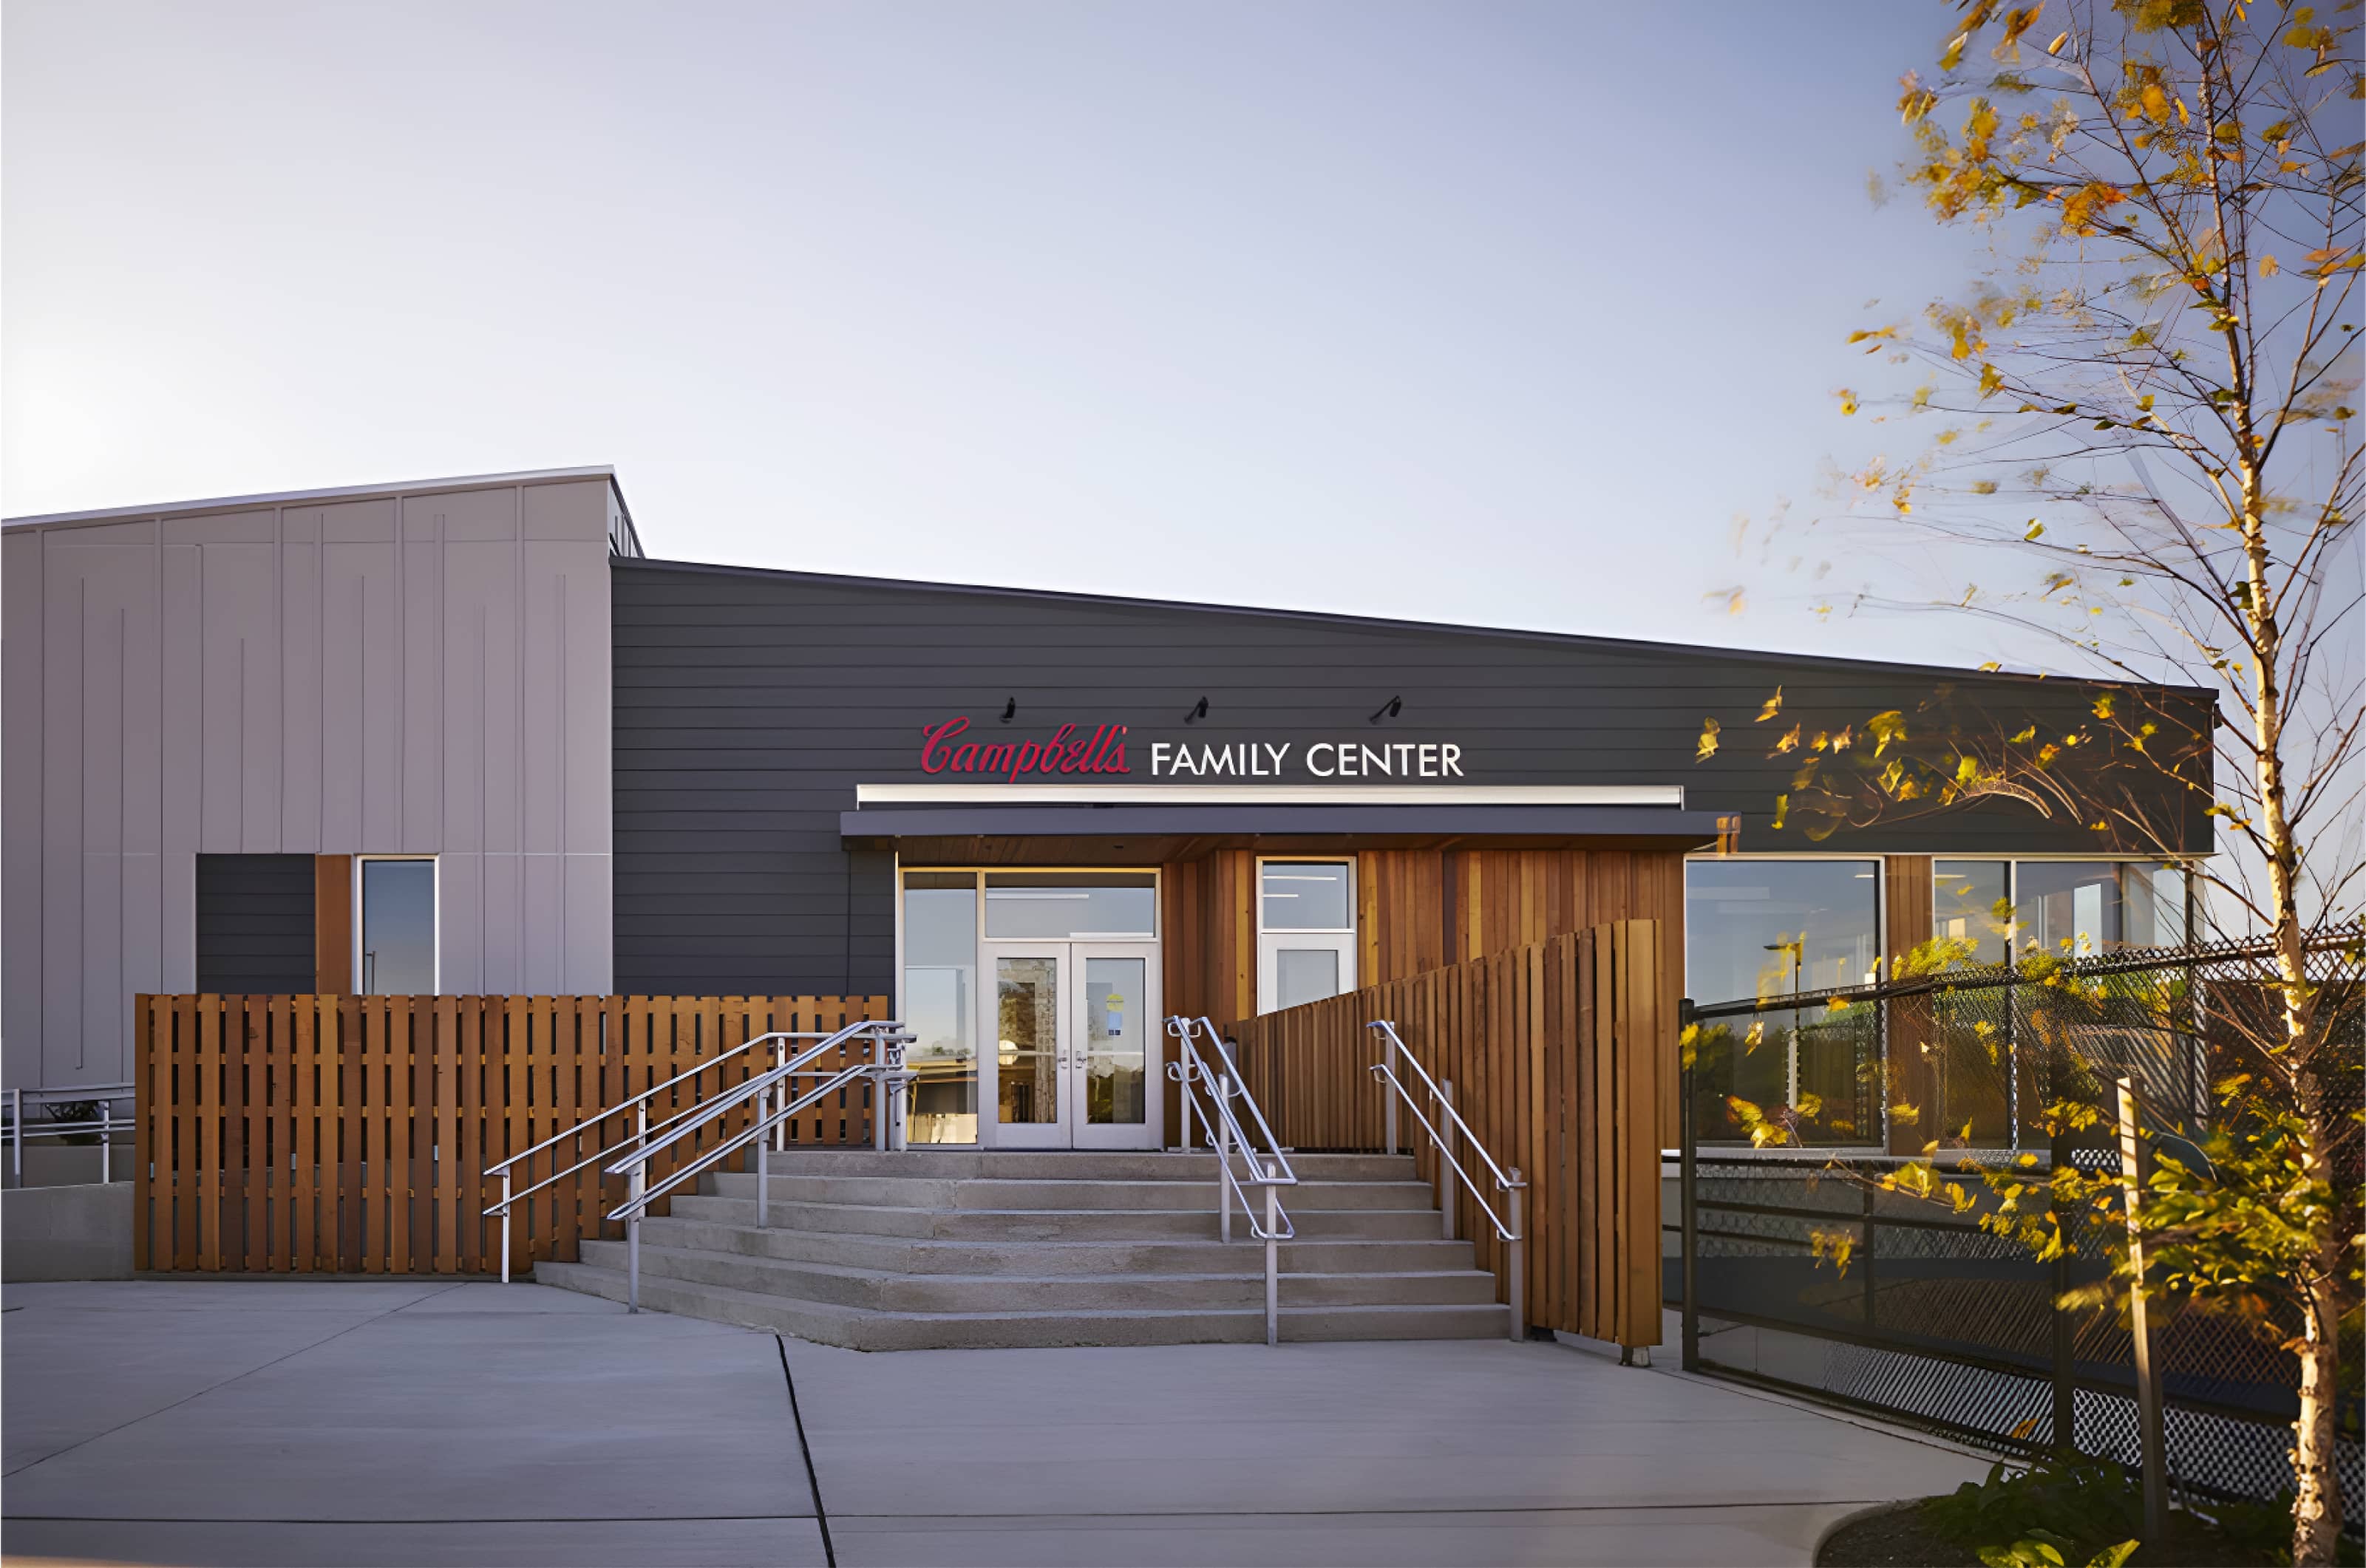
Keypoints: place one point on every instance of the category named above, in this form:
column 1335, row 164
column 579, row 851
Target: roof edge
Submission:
column 336, row 493
column 1388, row 623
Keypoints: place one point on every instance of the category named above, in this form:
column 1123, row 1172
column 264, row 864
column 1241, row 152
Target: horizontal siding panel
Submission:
column 748, row 705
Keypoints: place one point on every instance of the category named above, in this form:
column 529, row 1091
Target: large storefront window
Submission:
column 941, row 1003
column 1980, row 1073
column 1764, row 928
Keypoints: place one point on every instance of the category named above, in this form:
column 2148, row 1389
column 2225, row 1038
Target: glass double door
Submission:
column 1073, row 1044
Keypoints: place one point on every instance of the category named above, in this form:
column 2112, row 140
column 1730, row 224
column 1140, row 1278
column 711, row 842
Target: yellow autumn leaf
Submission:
column 1707, row 745
column 1773, row 706
column 2269, row 266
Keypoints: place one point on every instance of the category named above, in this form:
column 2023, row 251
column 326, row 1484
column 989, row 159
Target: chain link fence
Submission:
column 1932, row 1317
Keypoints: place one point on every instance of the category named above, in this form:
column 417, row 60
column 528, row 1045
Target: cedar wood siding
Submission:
column 749, row 704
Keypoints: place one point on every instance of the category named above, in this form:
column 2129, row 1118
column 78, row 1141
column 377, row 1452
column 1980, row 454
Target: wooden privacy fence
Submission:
column 1556, row 1052
column 349, row 1134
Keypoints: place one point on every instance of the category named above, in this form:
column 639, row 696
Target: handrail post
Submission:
column 1518, row 1282
column 633, row 1225
column 106, row 1141
column 1388, row 1059
column 1272, row 1258
column 1446, row 1157
column 505, row 1224
column 779, row 1139
column 764, row 1163
column 17, row 1139
column 1224, row 1158
column 878, row 1094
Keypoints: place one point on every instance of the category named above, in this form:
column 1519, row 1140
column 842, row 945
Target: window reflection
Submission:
column 397, row 937
column 1971, row 910
column 2070, row 907
column 1766, row 928
column 1304, row 895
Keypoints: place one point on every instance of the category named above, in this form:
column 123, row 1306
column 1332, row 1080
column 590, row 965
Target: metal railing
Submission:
column 105, row 1124
column 774, row 1106
column 638, row 1107
column 1210, row 1093
column 1442, row 1138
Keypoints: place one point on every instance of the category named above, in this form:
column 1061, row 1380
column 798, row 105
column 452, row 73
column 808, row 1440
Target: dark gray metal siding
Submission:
column 254, row 923
column 749, row 705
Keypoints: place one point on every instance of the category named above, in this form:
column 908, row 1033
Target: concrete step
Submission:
column 1050, row 1224
column 862, row 1330
column 1023, row 1165
column 1058, row 1194
column 886, row 1291
column 1206, row 1255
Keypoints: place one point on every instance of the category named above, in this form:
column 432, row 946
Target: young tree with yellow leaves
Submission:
column 2149, row 402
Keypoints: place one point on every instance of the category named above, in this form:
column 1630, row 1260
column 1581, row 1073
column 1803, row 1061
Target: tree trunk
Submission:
column 2316, row 1482
column 2316, row 1503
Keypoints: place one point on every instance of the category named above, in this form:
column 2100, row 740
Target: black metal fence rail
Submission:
column 1932, row 1318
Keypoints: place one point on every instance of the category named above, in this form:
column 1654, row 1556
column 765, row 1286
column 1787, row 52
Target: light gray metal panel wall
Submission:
column 408, row 673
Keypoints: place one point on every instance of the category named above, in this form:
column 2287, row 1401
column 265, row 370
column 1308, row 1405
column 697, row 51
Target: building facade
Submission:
column 465, row 737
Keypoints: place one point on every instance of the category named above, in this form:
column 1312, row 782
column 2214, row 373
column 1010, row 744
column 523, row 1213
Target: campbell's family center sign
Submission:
column 948, row 747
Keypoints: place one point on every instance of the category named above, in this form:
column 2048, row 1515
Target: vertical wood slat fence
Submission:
column 1558, row 1052
column 349, row 1134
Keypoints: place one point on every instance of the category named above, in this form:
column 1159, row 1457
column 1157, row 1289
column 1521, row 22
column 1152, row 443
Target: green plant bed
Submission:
column 2070, row 1515
column 1903, row 1539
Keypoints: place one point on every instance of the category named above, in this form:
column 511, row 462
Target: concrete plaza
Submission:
column 434, row 1422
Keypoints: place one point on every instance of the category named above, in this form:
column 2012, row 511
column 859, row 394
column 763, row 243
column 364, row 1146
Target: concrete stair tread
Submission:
column 1200, row 1210
column 845, row 1271
column 827, row 1308
column 1311, row 1254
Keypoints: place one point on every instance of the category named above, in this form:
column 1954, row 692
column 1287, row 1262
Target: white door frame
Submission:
column 1069, row 1128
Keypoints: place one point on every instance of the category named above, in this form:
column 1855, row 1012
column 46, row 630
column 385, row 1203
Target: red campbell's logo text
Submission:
column 943, row 751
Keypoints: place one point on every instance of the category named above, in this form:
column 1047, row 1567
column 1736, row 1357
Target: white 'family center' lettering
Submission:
column 1324, row 759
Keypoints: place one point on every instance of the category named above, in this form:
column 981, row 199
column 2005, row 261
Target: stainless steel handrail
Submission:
column 623, row 1105
column 1507, row 1225
column 773, row 1107
column 1269, row 1171
column 685, row 1120
column 105, row 1094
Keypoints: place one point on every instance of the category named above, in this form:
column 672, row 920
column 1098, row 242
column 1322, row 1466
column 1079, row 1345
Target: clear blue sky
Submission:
column 1495, row 313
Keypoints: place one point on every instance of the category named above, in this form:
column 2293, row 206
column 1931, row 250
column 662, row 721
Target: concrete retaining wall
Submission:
column 66, row 1233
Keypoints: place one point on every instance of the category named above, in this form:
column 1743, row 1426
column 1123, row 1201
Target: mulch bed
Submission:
column 1898, row 1539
